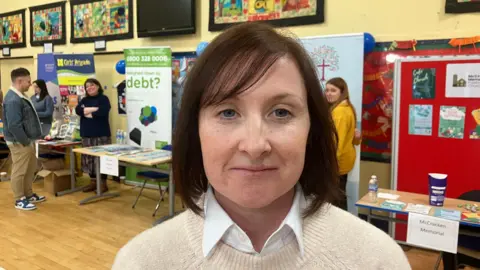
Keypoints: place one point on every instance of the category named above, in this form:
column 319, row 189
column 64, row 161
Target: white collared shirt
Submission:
column 219, row 226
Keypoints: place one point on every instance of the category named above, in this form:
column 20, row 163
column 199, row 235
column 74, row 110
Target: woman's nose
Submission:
column 254, row 139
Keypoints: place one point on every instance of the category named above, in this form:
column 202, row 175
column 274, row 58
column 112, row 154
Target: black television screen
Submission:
column 165, row 17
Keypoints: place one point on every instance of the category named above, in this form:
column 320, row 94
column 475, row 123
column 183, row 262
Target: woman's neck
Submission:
column 258, row 224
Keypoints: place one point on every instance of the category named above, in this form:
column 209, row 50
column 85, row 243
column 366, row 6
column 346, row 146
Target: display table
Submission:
column 407, row 197
column 143, row 159
column 67, row 146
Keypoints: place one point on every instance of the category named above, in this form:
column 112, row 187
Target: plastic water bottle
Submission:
column 373, row 188
column 118, row 137
column 124, row 135
column 121, row 137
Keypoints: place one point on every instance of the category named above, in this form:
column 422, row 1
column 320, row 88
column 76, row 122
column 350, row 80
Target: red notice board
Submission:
column 447, row 149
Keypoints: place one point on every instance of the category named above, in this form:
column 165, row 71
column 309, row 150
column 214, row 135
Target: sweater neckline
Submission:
column 288, row 257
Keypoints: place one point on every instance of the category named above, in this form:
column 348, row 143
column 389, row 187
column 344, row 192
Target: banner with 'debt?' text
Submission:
column 149, row 95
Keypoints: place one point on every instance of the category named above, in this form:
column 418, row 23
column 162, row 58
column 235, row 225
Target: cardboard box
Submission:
column 53, row 164
column 55, row 181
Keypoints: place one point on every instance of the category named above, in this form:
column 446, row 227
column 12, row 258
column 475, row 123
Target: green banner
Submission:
column 148, row 57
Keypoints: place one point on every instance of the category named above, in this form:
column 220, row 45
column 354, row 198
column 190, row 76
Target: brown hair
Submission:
column 233, row 62
column 94, row 81
column 344, row 94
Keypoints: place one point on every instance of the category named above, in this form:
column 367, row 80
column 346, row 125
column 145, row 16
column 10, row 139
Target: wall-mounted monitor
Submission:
column 165, row 17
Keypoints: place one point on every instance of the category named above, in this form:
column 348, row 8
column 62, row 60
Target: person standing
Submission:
column 345, row 119
column 94, row 128
column 21, row 129
column 43, row 104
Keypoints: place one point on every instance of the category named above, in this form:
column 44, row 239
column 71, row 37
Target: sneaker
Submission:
column 24, row 204
column 36, row 198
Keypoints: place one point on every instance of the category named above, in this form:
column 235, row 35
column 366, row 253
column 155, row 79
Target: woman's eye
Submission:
column 281, row 113
column 228, row 113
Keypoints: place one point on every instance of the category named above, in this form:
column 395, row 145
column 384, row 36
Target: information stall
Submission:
column 436, row 126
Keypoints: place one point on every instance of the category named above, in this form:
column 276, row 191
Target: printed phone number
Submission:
column 147, row 58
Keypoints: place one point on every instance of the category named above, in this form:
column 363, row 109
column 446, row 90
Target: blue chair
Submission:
column 155, row 177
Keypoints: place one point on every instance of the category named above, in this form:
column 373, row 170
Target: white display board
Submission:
column 342, row 56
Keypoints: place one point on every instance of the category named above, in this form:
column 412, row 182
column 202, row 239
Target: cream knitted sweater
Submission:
column 333, row 239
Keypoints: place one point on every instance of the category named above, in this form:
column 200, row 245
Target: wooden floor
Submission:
column 60, row 234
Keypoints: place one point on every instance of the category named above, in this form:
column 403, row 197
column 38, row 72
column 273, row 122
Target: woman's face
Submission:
column 36, row 89
column 92, row 89
column 253, row 145
column 332, row 93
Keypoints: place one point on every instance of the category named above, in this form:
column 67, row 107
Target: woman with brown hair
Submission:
column 94, row 111
column 345, row 120
column 254, row 155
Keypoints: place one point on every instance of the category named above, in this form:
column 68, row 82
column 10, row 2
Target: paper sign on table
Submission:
column 432, row 232
column 109, row 165
column 387, row 196
column 418, row 208
column 447, row 214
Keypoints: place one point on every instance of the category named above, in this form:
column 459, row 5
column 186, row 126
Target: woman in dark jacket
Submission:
column 94, row 127
column 43, row 104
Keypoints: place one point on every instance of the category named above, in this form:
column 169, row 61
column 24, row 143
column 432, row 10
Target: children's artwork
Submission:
column 462, row 6
column 475, row 133
column 110, row 20
column 463, row 80
column 278, row 12
column 47, row 24
column 12, row 29
column 420, row 120
column 423, row 83
column 452, row 122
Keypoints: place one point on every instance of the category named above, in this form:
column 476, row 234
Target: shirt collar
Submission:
column 20, row 94
column 217, row 222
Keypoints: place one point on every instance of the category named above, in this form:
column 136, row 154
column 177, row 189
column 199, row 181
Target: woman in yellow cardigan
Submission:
column 345, row 120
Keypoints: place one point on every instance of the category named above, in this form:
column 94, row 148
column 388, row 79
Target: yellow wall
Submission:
column 386, row 20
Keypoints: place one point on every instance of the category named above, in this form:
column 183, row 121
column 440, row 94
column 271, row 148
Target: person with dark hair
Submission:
column 21, row 128
column 254, row 156
column 94, row 111
column 345, row 120
column 43, row 104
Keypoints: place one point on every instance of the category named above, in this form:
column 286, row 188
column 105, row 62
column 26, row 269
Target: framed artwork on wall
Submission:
column 93, row 20
column 12, row 29
column 462, row 6
column 224, row 13
column 47, row 24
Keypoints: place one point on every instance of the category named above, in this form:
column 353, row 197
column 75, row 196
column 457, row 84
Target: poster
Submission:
column 182, row 63
column 475, row 133
column 121, row 97
column 423, row 86
column 47, row 71
column 72, row 72
column 12, row 29
column 452, row 122
column 149, row 97
column 463, row 80
column 109, row 19
column 47, row 24
column 420, row 120
column 342, row 56
column 277, row 12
